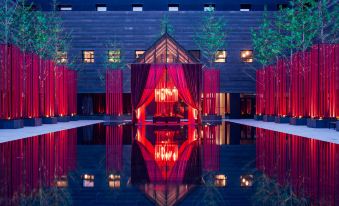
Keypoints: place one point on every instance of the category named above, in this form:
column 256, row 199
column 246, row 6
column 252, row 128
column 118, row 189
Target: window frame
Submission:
column 101, row 6
column 208, row 6
column 225, row 58
column 137, row 6
column 62, row 57
column 65, row 7
column 246, row 7
column 91, row 59
column 173, row 6
column 249, row 59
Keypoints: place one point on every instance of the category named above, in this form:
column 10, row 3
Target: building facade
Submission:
column 136, row 25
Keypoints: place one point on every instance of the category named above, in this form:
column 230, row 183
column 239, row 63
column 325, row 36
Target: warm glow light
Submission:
column 166, row 95
column 88, row 180
column 166, row 151
column 246, row 180
column 220, row 180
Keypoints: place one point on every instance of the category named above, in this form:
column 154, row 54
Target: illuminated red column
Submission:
column 282, row 89
column 47, row 88
column 270, row 89
column 31, row 86
column 114, row 89
column 260, row 90
column 72, row 91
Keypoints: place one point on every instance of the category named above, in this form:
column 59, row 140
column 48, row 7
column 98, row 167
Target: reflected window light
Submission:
column 209, row 7
column 246, row 56
column 101, row 7
column 220, row 180
column 137, row 7
column 65, row 8
column 173, row 7
column 220, row 56
column 246, row 181
column 245, row 7
column 114, row 181
column 62, row 182
column 88, row 180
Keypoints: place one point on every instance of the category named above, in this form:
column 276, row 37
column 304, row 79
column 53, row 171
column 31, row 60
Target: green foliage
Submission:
column 7, row 20
column 166, row 26
column 211, row 37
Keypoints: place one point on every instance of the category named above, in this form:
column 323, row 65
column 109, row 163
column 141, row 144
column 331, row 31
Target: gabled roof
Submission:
column 166, row 50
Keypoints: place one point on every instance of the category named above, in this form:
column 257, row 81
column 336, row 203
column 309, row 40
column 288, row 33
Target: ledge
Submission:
column 268, row 118
column 298, row 121
column 282, row 120
column 11, row 124
column 32, row 122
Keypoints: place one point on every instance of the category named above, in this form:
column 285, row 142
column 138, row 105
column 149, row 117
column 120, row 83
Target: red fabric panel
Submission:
column 31, row 89
column 282, row 93
column 61, row 90
column 72, row 91
column 47, row 88
column 211, row 84
column 114, row 89
column 270, row 89
column 211, row 151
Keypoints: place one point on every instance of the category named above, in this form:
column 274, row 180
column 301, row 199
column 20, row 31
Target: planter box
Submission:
column 279, row 119
column 258, row 117
column 64, row 119
column 317, row 123
column 269, row 118
column 117, row 118
column 75, row 118
column 32, row 122
column 49, row 120
column 11, row 124
column 298, row 121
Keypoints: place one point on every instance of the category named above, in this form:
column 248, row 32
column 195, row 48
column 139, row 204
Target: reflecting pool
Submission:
column 226, row 164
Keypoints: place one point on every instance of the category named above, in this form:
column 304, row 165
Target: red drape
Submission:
column 114, row 89
column 260, row 92
column 31, row 85
column 282, row 94
column 72, row 91
column 211, row 84
column 47, row 88
column 61, row 90
column 11, row 82
column 270, row 89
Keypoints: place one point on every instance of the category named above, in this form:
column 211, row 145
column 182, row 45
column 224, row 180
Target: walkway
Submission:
column 7, row 135
column 323, row 134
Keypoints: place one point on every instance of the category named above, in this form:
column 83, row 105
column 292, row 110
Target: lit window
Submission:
column 87, row 180
column 209, row 7
column 139, row 53
column 114, row 56
column 62, row 182
column 195, row 53
column 173, row 7
column 220, row 56
column 61, row 57
column 220, row 180
column 88, row 56
column 246, row 56
column 137, row 7
column 101, row 7
column 245, row 7
column 246, row 181
column 114, row 181
column 65, row 8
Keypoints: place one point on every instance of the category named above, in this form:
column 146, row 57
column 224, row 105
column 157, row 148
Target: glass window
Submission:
column 88, row 56
column 246, row 56
column 139, row 53
column 209, row 7
column 61, row 57
column 245, row 7
column 101, row 7
column 195, row 53
column 114, row 56
column 220, row 56
column 173, row 7
column 137, row 7
column 65, row 8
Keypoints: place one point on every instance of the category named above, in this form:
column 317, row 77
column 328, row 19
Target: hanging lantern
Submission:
column 166, row 95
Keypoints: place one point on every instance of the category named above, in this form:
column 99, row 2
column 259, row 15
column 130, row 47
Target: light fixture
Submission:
column 166, row 95
column 246, row 181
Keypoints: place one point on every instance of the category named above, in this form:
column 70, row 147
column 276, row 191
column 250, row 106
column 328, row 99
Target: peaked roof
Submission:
column 166, row 50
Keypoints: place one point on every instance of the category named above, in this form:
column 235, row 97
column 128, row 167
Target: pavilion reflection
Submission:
column 28, row 166
column 310, row 167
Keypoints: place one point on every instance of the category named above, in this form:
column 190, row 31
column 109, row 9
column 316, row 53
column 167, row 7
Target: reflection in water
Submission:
column 304, row 169
column 166, row 164
column 34, row 170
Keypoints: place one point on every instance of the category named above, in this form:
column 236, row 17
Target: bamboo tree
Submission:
column 211, row 37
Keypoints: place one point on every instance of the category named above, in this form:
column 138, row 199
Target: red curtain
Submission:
column 31, row 85
column 61, row 90
column 211, row 84
column 11, row 82
column 270, row 89
column 47, row 88
column 282, row 94
column 114, row 89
